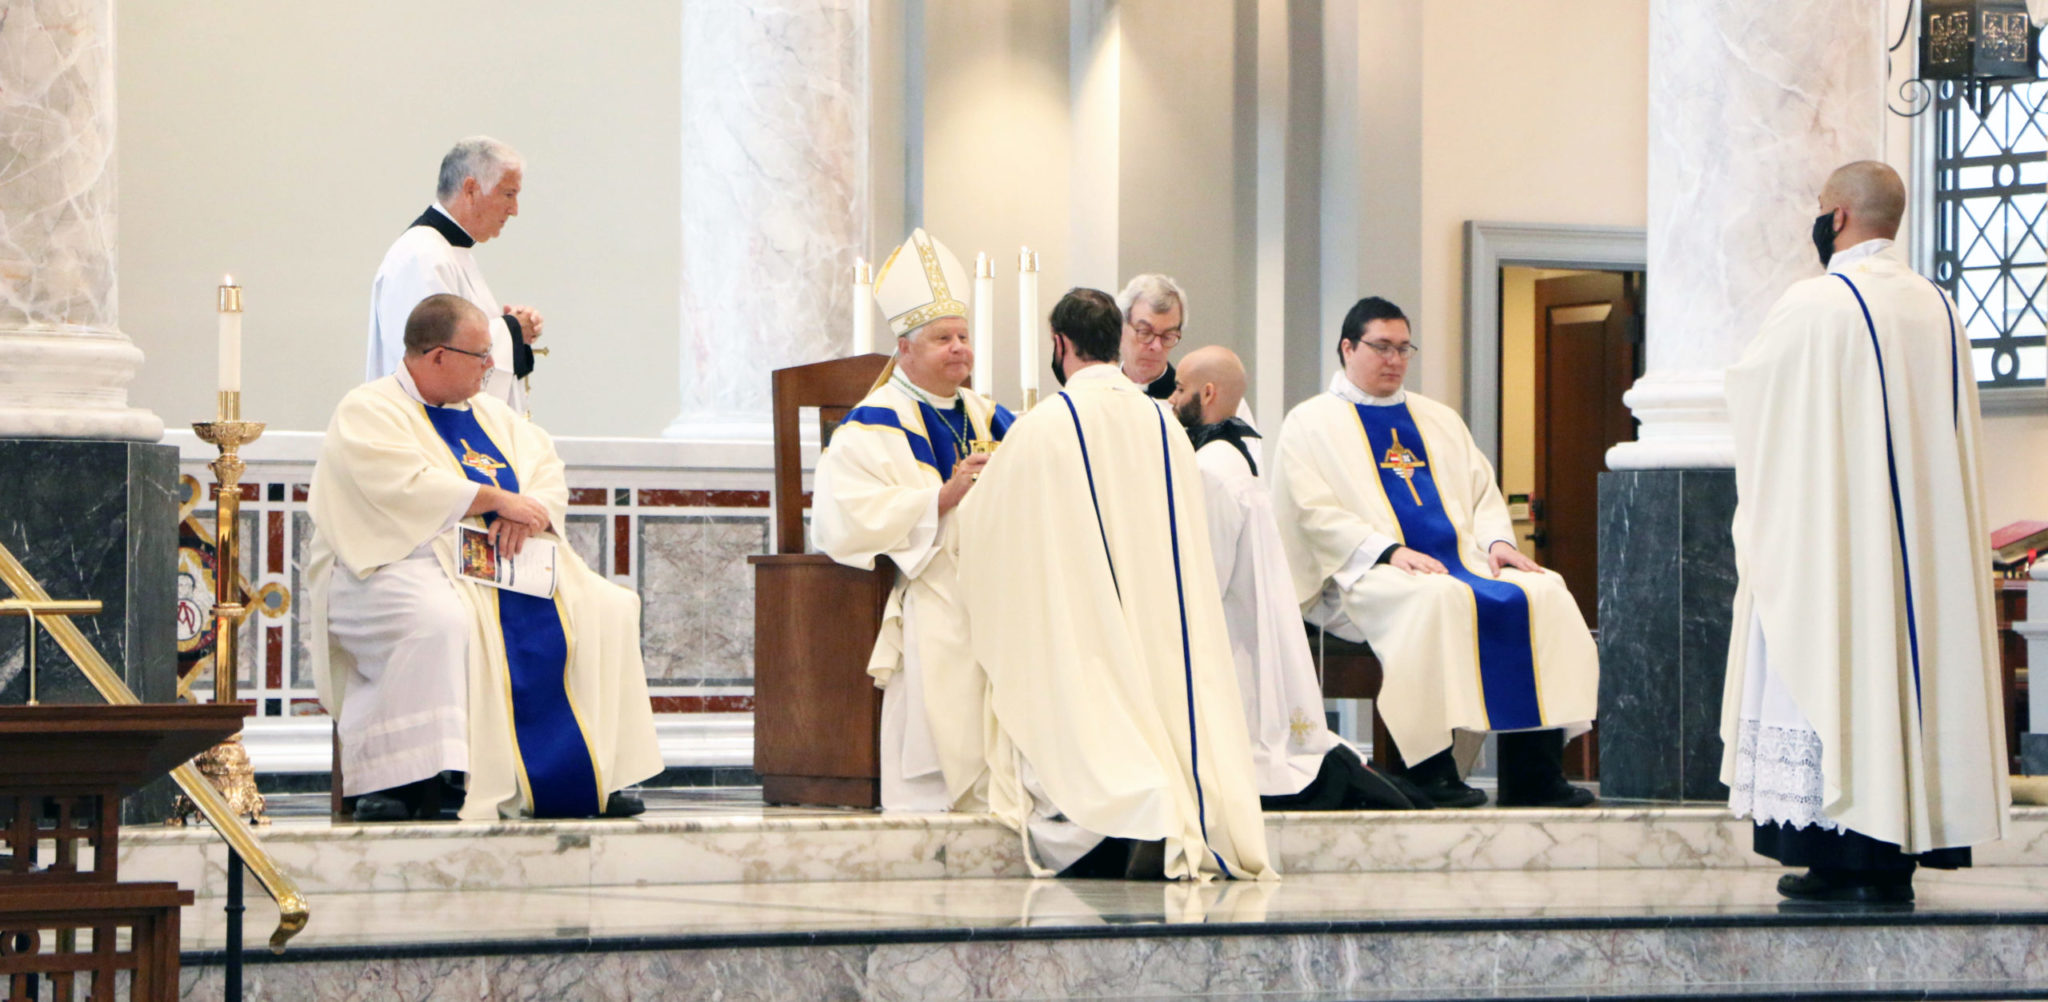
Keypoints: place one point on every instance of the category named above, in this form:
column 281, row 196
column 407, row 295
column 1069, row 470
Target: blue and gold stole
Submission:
column 1507, row 655
column 555, row 761
column 939, row 438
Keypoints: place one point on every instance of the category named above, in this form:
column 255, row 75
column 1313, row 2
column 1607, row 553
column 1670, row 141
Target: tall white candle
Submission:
column 1028, row 329
column 863, row 308
column 229, row 304
column 984, row 325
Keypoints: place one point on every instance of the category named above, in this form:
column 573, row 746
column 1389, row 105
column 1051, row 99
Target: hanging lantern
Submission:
column 1977, row 41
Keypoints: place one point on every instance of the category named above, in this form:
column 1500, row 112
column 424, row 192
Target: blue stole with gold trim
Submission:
column 554, row 756
column 936, row 429
column 1507, row 656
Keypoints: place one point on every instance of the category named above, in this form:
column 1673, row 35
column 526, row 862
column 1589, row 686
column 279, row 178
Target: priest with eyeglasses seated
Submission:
column 1397, row 536
column 541, row 700
column 887, row 486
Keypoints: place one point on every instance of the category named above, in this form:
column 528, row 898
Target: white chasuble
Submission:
column 876, row 494
column 1092, row 607
column 1464, row 650
column 431, row 257
column 554, row 694
column 1862, row 613
column 1276, row 678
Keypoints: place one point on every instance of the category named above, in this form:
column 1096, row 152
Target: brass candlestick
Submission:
column 227, row 763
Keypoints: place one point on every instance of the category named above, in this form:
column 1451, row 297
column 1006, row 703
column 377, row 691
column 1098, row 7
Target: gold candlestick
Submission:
column 227, row 763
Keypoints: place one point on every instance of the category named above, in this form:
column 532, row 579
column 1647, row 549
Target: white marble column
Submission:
column 64, row 364
column 1752, row 104
column 775, row 199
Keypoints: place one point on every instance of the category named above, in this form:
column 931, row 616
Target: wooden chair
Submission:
column 1352, row 671
column 817, row 714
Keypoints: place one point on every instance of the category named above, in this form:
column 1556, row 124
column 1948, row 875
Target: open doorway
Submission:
column 1570, row 346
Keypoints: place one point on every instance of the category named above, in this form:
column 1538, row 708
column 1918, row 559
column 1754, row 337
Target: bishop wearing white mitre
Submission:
column 1397, row 536
column 1862, row 724
column 1118, row 748
column 541, row 700
column 887, row 486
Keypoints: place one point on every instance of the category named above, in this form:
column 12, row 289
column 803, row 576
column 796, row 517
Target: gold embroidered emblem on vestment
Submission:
column 1404, row 464
column 479, row 462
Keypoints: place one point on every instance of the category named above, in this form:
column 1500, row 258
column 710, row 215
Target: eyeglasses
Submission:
column 480, row 355
column 1148, row 336
column 1386, row 350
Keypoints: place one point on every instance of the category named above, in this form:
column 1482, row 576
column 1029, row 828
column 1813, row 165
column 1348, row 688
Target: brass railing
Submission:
column 292, row 912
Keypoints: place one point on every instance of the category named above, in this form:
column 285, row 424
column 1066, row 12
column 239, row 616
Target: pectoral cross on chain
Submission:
column 1404, row 464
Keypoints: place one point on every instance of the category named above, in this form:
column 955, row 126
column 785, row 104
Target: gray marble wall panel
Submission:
column 1667, row 584
column 96, row 520
column 697, row 597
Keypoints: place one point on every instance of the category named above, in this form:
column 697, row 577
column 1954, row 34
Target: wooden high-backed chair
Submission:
column 817, row 714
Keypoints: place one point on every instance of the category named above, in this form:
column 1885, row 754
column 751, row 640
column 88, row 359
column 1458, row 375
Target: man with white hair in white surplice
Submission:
column 477, row 191
column 1155, row 311
column 887, row 486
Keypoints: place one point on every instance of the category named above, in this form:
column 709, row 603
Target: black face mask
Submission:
column 1824, row 236
column 1059, row 362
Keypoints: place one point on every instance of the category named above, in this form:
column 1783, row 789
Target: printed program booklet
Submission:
column 532, row 572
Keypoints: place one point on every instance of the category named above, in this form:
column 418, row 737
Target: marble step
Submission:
column 753, row 844
column 1642, row 933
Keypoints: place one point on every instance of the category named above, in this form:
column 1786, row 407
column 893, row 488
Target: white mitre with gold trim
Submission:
column 918, row 284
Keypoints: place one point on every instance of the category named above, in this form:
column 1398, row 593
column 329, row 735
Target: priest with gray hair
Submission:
column 1155, row 309
column 476, row 193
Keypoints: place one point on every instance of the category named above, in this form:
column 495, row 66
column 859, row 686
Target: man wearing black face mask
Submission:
column 1861, row 717
column 1118, row 747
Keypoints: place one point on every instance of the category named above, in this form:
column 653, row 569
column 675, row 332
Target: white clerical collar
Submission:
column 451, row 218
column 917, row 392
column 1842, row 259
column 1341, row 386
column 412, row 390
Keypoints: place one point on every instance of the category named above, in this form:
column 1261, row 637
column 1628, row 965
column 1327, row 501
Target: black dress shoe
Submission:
column 1417, row 800
column 1562, row 795
column 382, row 807
column 1148, row 861
column 1876, row 889
column 1451, row 793
column 623, row 805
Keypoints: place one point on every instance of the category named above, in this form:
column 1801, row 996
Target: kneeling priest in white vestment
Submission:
column 1300, row 765
column 541, row 700
column 887, row 486
column 1118, row 748
column 1397, row 537
column 1862, row 725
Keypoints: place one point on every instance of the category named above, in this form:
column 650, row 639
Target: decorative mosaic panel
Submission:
column 683, row 550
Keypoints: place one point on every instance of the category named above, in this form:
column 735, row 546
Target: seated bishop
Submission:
column 887, row 486
column 541, row 701
column 1397, row 536
column 1300, row 765
column 1118, row 747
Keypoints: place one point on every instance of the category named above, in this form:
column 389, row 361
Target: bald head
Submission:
column 1209, row 386
column 1873, row 198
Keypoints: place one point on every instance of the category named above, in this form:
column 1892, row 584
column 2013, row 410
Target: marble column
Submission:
column 64, row 364
column 775, row 200
column 86, row 499
column 1752, row 104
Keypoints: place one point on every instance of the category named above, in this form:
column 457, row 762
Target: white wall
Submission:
column 290, row 143
column 1532, row 112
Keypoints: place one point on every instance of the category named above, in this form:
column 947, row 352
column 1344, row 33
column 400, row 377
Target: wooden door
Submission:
column 1587, row 355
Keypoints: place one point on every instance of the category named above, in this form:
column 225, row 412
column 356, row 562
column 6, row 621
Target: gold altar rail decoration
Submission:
column 292, row 911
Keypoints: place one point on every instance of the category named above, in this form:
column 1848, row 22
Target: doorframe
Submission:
column 1491, row 246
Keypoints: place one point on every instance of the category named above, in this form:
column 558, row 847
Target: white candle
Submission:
column 1028, row 331
column 863, row 308
column 984, row 325
column 229, row 303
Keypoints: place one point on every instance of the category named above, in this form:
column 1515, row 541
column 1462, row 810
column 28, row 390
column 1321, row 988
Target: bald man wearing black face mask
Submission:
column 1861, row 716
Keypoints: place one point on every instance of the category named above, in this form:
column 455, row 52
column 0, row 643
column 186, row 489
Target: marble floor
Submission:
column 767, row 913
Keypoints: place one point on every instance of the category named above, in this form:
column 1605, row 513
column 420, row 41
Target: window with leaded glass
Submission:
column 1990, row 190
